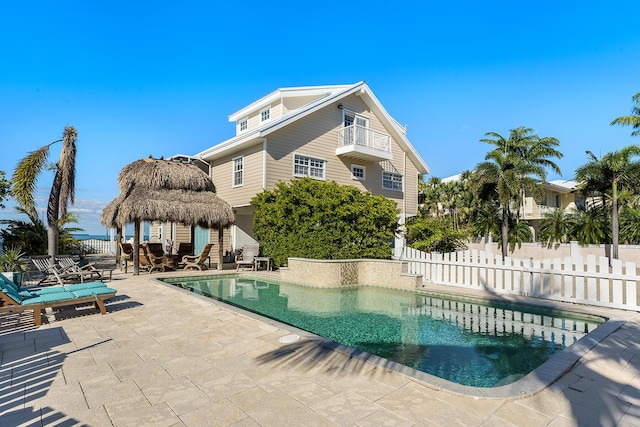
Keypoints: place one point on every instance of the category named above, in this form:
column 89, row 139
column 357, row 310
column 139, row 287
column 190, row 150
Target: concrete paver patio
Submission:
column 162, row 356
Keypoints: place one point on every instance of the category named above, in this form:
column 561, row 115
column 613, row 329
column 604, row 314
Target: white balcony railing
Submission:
column 364, row 137
column 538, row 211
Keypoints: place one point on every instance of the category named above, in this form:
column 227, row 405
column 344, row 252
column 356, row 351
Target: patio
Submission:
column 200, row 363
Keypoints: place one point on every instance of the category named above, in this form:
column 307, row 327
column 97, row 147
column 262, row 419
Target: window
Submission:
column 358, row 172
column 391, row 181
column 265, row 115
column 307, row 166
column 243, row 124
column 238, row 171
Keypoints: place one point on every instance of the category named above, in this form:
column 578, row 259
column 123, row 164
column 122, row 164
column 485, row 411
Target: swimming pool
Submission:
column 470, row 342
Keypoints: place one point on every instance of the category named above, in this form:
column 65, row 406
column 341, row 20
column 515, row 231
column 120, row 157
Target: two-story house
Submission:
column 340, row 133
column 558, row 193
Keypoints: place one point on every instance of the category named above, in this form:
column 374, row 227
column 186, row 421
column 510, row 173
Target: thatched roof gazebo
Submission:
column 167, row 191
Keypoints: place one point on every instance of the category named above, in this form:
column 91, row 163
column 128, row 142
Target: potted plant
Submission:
column 12, row 265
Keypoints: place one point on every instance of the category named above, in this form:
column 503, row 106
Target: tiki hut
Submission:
column 167, row 191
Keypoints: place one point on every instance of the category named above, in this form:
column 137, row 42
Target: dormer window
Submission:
column 244, row 123
column 265, row 115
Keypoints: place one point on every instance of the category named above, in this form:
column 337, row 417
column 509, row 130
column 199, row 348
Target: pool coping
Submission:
column 532, row 383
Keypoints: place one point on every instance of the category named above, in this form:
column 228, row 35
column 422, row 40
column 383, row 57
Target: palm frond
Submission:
column 26, row 175
column 67, row 168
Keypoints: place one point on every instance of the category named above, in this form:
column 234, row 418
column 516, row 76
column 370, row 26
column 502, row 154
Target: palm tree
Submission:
column 615, row 171
column 486, row 220
column 632, row 120
column 630, row 225
column 498, row 178
column 519, row 233
column 535, row 154
column 514, row 168
column 589, row 226
column 556, row 227
column 63, row 187
column 30, row 235
column 5, row 188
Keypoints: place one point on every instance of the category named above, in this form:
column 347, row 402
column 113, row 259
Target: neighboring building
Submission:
column 557, row 194
column 340, row 133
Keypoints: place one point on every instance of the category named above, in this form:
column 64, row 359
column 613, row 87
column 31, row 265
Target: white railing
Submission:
column 362, row 136
column 97, row 246
column 572, row 279
column 538, row 211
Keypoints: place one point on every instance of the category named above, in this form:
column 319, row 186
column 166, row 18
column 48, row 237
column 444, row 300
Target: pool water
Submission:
column 471, row 342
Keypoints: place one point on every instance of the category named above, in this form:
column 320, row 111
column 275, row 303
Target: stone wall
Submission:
column 332, row 273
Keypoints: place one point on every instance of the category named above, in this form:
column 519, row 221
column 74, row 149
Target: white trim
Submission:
column 324, row 167
column 233, row 172
column 264, row 163
column 278, row 94
column 393, row 174
column 396, row 131
column 364, row 172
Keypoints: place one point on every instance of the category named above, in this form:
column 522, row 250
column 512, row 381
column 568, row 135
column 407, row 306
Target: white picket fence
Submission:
column 572, row 279
column 97, row 246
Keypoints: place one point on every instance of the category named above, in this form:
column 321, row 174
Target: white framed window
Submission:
column 358, row 172
column 265, row 114
column 391, row 181
column 309, row 166
column 244, row 124
column 238, row 171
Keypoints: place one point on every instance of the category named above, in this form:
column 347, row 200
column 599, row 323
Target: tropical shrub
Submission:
column 557, row 226
column 323, row 220
column 591, row 227
column 10, row 260
column 432, row 234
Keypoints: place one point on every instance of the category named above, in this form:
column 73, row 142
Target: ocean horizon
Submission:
column 83, row 236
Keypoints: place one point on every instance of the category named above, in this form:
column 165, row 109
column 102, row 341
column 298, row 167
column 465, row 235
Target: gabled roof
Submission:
column 317, row 91
column 562, row 186
column 327, row 95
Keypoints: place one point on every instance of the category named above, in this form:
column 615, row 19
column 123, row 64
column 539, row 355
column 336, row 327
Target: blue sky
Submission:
column 160, row 78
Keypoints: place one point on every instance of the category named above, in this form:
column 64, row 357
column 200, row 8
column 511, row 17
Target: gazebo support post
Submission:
column 220, row 247
column 136, row 248
column 118, row 247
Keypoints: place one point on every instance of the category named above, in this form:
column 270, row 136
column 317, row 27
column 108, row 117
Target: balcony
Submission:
column 537, row 211
column 359, row 142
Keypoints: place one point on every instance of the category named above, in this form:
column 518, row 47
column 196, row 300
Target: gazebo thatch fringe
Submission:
column 185, row 207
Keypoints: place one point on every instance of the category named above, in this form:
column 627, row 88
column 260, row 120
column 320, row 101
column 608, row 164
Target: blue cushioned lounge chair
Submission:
column 13, row 299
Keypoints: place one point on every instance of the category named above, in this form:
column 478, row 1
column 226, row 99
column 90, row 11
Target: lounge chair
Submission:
column 183, row 249
column 54, row 273
column 69, row 265
column 35, row 290
column 126, row 255
column 12, row 299
column 155, row 249
column 151, row 263
column 247, row 257
column 197, row 261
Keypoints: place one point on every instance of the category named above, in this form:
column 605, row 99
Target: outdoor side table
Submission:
column 259, row 259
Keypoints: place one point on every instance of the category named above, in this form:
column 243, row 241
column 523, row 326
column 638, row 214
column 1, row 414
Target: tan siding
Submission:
column 316, row 135
column 183, row 234
column 213, row 239
column 296, row 102
column 276, row 111
column 222, row 171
